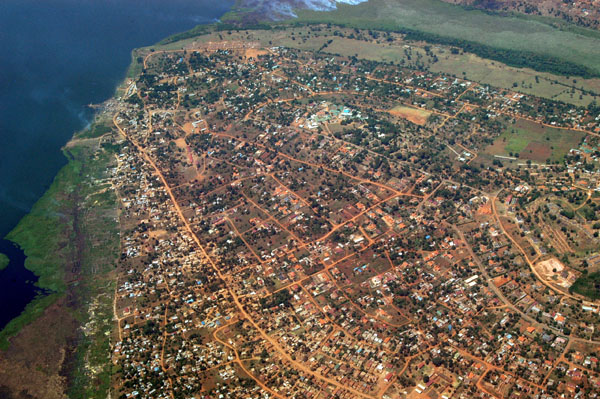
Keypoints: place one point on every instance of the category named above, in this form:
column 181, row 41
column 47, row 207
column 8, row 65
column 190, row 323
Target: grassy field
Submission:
column 530, row 141
column 587, row 285
column 450, row 21
column 516, row 140
column 542, row 84
column 469, row 66
column 3, row 261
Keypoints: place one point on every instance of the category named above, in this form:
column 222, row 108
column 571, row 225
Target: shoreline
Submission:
column 39, row 303
column 21, row 288
column 4, row 261
column 74, row 279
column 36, row 305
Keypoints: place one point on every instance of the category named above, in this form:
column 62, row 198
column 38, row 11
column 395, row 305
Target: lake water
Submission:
column 56, row 57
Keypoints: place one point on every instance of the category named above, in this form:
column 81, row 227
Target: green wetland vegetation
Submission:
column 71, row 241
column 40, row 234
column 3, row 261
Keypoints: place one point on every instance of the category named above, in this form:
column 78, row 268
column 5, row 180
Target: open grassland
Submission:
column 576, row 91
column 530, row 141
column 437, row 18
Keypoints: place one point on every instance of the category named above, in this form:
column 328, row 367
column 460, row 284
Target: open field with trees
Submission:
column 530, row 141
column 588, row 285
column 396, row 48
column 488, row 35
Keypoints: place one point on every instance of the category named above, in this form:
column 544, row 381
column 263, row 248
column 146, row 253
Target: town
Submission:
column 300, row 224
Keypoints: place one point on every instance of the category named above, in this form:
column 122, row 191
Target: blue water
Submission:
column 57, row 56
